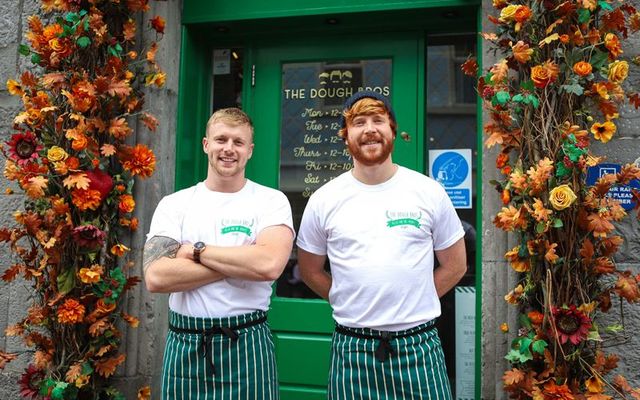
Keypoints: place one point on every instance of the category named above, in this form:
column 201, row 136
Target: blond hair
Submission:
column 230, row 116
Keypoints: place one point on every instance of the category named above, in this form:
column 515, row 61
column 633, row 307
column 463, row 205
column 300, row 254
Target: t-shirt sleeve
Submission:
column 277, row 211
column 447, row 228
column 166, row 221
column 312, row 236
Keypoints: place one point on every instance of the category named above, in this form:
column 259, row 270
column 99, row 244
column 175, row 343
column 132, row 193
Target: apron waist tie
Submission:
column 207, row 335
column 384, row 349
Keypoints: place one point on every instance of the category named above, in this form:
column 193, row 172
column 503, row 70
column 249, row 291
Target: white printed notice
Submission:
column 465, row 342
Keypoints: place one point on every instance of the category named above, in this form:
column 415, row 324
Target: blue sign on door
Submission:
column 622, row 193
column 451, row 168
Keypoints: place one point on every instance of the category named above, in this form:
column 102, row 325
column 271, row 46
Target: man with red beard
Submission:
column 380, row 225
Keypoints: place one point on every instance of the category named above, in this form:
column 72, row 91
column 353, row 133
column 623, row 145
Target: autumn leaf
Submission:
column 5, row 358
column 499, row 71
column 11, row 272
column 151, row 53
column 634, row 100
column 149, row 121
column 107, row 150
column 130, row 319
column 99, row 327
column 42, row 359
column 144, row 393
column 107, row 367
column 587, row 251
column 129, row 30
column 121, row 89
column 594, row 385
column 119, row 128
column 52, row 79
column 599, row 225
column 512, row 377
column 103, row 350
column 77, row 180
column 548, row 40
column 35, row 187
column 489, row 36
column 627, row 287
column 29, row 79
column 131, row 282
column 74, row 372
column 599, row 396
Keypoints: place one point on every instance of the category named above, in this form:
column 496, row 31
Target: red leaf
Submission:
column 11, row 272
column 634, row 99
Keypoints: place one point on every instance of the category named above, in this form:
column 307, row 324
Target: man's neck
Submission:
column 225, row 184
column 374, row 174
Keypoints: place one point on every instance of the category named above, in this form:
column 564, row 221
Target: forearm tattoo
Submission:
column 158, row 247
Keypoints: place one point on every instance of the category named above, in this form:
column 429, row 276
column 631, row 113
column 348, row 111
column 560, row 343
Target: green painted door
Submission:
column 295, row 93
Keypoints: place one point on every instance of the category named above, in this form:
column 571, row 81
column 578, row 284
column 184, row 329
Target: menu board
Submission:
column 311, row 152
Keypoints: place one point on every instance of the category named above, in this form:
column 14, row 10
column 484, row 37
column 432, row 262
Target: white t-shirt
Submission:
column 221, row 219
column 380, row 241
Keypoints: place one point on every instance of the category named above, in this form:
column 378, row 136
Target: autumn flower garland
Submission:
column 557, row 86
column 71, row 158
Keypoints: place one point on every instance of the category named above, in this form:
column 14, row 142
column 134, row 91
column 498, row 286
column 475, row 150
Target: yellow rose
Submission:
column 56, row 153
column 561, row 197
column 508, row 13
column 618, row 71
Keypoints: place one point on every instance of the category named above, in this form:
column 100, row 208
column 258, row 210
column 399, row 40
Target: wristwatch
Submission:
column 198, row 248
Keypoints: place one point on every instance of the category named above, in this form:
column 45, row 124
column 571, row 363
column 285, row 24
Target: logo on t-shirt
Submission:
column 402, row 218
column 236, row 225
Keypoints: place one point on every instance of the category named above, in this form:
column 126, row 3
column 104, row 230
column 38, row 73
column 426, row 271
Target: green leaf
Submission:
column 502, row 97
column 66, row 281
column 562, row 170
column 118, row 48
column 605, row 6
column 598, row 58
column 72, row 17
column 538, row 346
column 525, row 321
column 533, row 99
column 573, row 89
column 527, row 85
column 594, row 335
column 515, row 356
column 58, row 391
column 46, row 385
column 83, row 41
column 583, row 15
column 540, row 227
column 83, row 13
column 24, row 50
column 557, row 223
column 519, row 98
column 615, row 328
column 35, row 58
column 86, row 368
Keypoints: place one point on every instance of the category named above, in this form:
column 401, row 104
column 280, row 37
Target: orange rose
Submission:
column 522, row 14
column 545, row 74
column 536, row 317
column 127, row 203
column 582, row 68
column 119, row 250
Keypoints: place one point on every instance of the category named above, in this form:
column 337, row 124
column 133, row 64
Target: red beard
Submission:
column 370, row 157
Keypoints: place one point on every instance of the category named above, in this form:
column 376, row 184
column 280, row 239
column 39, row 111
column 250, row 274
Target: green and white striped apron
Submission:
column 228, row 364
column 413, row 366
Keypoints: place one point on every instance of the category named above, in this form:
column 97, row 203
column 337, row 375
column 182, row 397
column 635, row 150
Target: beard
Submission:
column 370, row 157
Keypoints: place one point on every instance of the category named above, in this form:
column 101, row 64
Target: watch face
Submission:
column 199, row 246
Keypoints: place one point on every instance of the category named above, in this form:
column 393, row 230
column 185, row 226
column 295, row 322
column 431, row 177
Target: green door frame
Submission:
column 219, row 23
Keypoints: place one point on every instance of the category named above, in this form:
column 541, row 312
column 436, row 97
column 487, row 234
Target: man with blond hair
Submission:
column 380, row 225
column 216, row 247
